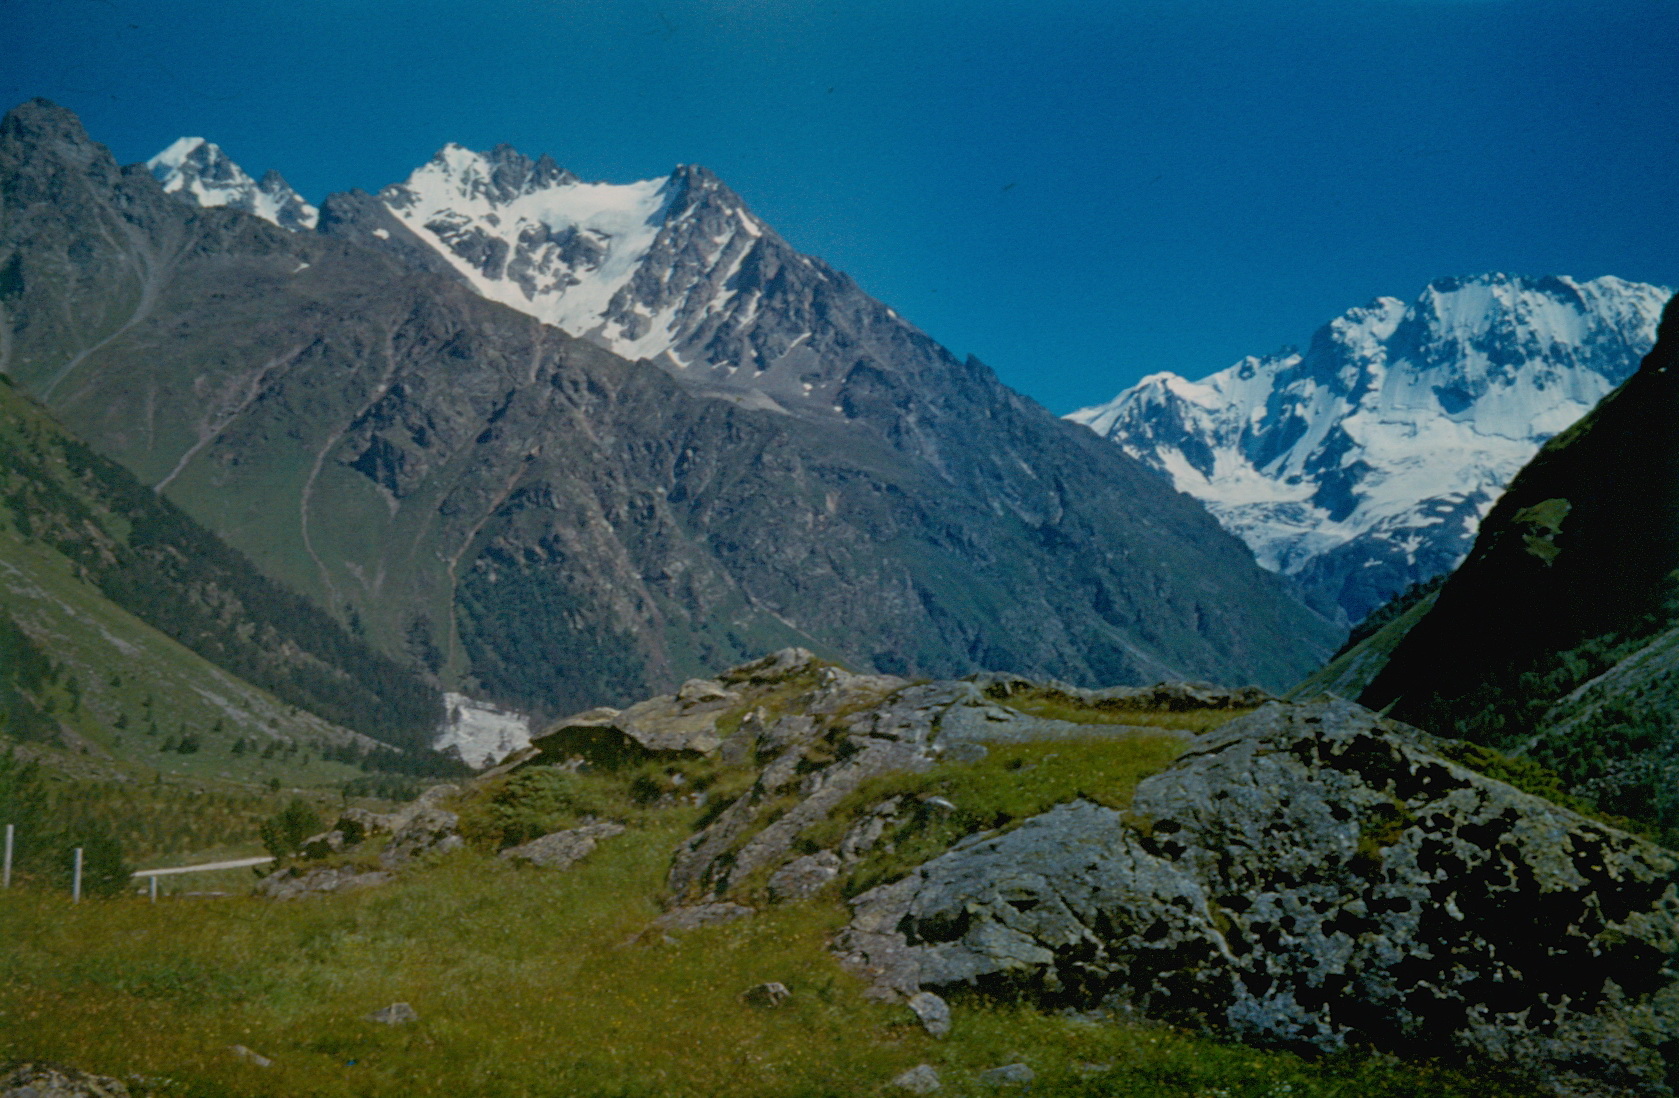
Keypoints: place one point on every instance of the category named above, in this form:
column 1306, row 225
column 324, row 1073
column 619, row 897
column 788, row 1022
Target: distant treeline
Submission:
column 153, row 560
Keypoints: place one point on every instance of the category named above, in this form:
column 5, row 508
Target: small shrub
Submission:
column 534, row 802
column 284, row 832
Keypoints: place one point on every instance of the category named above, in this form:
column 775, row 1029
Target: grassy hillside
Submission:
column 123, row 699
column 532, row 981
column 60, row 500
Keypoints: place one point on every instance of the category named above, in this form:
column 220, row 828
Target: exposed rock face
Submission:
column 803, row 877
column 692, row 918
column 920, row 1079
column 1315, row 875
column 828, row 741
column 563, row 849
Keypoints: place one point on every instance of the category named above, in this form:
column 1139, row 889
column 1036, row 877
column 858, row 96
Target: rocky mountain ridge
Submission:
column 545, row 525
column 199, row 172
column 1366, row 462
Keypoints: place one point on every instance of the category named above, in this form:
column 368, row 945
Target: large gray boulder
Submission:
column 1316, row 875
column 563, row 849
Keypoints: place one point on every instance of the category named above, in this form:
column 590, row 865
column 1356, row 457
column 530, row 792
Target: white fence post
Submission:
column 76, row 880
column 154, row 888
column 6, row 874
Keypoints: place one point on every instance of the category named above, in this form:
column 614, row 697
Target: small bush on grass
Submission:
column 536, row 801
column 284, row 832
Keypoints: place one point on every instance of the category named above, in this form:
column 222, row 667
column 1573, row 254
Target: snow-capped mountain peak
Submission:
column 675, row 270
column 1366, row 463
column 199, row 172
column 531, row 235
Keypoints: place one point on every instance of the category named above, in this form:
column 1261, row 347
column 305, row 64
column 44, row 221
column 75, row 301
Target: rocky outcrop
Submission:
column 428, row 831
column 821, row 745
column 1315, row 875
column 297, row 881
column 563, row 849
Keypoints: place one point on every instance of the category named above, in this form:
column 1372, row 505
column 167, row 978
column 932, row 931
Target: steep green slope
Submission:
column 1362, row 658
column 539, row 521
column 148, row 557
column 101, row 694
column 1553, row 636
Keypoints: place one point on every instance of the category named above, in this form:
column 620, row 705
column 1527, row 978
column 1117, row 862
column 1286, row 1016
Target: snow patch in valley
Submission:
column 481, row 733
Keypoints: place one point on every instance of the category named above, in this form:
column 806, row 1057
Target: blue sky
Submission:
column 1079, row 193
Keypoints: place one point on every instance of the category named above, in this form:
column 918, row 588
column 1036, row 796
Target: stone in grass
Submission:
column 692, row 918
column 1009, row 1075
column 397, row 1014
column 769, row 994
column 240, row 1052
column 37, row 1080
column 933, row 1012
column 920, row 1079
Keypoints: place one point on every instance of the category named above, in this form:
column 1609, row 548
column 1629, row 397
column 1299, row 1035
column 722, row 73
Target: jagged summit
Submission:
column 565, row 527
column 200, row 172
column 1366, row 462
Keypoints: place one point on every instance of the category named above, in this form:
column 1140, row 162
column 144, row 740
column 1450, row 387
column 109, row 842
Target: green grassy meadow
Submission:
column 535, row 982
column 530, row 982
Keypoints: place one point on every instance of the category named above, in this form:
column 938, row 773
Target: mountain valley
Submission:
column 432, row 541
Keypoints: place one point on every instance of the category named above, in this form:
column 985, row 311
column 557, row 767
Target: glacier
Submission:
column 1366, row 462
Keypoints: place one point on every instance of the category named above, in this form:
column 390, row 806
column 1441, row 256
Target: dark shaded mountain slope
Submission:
column 538, row 519
column 1556, row 634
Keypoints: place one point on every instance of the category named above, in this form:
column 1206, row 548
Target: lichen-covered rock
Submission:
column 1315, row 875
column 295, row 882
column 1009, row 1075
column 38, row 1080
column 427, row 831
column 802, row 878
column 776, row 667
column 932, row 1012
column 563, row 849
